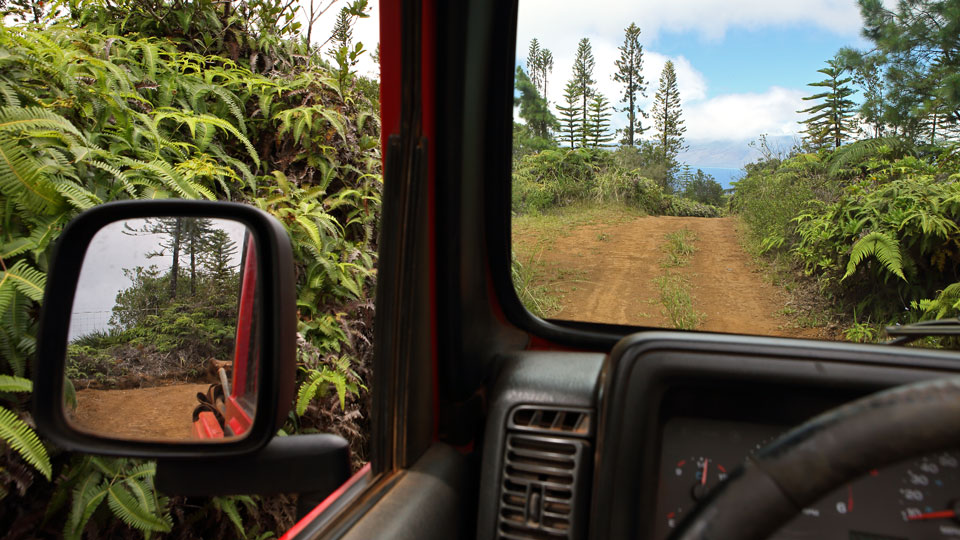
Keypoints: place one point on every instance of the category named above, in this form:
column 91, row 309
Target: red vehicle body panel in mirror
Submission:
column 207, row 426
column 245, row 356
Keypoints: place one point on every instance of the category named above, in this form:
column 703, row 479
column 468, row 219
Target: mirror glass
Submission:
column 163, row 339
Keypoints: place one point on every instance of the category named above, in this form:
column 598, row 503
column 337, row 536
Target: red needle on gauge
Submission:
column 942, row 514
column 703, row 478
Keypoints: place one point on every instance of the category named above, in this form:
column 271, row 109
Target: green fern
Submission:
column 946, row 303
column 15, row 384
column 21, row 278
column 134, row 512
column 228, row 506
column 87, row 497
column 22, row 181
column 881, row 246
column 18, row 435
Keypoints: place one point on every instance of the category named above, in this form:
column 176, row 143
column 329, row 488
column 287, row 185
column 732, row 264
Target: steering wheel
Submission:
column 806, row 463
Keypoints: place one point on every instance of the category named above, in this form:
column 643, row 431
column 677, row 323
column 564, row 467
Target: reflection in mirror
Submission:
column 163, row 332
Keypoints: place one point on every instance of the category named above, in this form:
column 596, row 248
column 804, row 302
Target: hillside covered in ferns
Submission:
column 144, row 99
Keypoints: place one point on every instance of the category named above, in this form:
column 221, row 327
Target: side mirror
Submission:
column 168, row 330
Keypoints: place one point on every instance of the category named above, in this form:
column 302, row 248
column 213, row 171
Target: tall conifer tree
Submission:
column 583, row 66
column 831, row 120
column 570, row 126
column 630, row 73
column 533, row 62
column 667, row 116
column 598, row 122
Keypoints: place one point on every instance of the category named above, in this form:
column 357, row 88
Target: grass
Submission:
column 535, row 296
column 677, row 303
column 544, row 229
column 808, row 309
column 539, row 287
column 679, row 248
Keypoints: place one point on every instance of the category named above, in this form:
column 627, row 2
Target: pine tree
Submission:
column 629, row 72
column 831, row 120
column 535, row 133
column 570, row 126
column 583, row 66
column 539, row 65
column 598, row 122
column 667, row 116
column 533, row 62
column 546, row 67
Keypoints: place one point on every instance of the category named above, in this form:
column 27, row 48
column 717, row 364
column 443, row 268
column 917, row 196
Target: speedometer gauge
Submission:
column 929, row 495
column 917, row 499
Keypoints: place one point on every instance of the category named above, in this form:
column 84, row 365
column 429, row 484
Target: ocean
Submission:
column 724, row 175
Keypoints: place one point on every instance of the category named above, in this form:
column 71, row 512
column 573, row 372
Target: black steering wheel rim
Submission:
column 806, row 463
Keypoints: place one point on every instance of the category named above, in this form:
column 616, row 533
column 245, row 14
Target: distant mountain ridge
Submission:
column 728, row 154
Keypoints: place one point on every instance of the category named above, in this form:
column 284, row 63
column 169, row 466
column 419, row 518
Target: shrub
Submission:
column 683, row 207
column 772, row 194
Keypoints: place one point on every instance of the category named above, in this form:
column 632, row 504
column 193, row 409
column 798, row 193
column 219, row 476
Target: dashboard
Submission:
column 625, row 445
column 913, row 500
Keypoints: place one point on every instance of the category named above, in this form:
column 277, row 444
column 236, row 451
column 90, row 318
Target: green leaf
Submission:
column 18, row 435
column 15, row 384
column 133, row 512
column 881, row 246
column 86, row 498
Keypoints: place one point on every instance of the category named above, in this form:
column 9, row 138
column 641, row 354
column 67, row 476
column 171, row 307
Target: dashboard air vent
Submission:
column 543, row 493
column 552, row 420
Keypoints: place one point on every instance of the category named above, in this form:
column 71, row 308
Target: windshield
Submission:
column 784, row 169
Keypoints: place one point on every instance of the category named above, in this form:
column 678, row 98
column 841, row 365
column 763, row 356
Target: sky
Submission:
column 742, row 65
column 110, row 252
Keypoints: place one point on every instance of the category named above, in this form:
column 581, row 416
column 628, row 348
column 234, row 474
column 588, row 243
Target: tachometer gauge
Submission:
column 695, row 475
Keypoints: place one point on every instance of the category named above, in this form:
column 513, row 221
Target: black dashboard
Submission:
column 910, row 500
column 630, row 442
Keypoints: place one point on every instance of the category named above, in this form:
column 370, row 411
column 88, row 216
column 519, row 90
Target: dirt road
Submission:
column 607, row 273
column 155, row 413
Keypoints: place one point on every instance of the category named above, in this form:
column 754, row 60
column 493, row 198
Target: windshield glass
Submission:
column 772, row 168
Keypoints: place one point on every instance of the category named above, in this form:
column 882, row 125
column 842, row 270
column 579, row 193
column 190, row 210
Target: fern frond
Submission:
column 15, row 384
column 18, row 119
column 881, row 246
column 24, row 441
column 229, row 507
column 9, row 95
column 130, row 511
column 15, row 247
column 28, row 281
column 309, row 389
column 87, row 497
column 21, row 180
column 79, row 197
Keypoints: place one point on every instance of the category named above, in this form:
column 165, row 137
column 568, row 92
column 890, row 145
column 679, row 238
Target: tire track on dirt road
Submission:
column 608, row 271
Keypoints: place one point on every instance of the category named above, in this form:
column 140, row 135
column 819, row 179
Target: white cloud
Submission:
column 723, row 117
column 708, row 18
column 744, row 116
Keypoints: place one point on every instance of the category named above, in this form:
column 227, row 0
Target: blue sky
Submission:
column 742, row 65
column 750, row 60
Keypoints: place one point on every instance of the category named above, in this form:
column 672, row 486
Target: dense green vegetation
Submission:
column 874, row 221
column 102, row 101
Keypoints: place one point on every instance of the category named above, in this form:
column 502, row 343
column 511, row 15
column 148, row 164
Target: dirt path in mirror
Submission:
column 159, row 412
column 608, row 273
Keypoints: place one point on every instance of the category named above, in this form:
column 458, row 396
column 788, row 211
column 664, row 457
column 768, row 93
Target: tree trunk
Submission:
column 175, row 268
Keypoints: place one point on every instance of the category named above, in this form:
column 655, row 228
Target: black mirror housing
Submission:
column 276, row 312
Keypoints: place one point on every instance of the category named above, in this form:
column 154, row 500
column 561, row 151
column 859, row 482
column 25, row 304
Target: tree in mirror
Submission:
column 163, row 335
